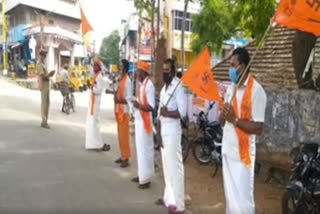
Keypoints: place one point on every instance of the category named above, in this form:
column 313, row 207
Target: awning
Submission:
column 14, row 44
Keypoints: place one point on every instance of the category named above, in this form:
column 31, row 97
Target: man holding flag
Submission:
column 93, row 135
column 172, row 108
column 243, row 118
column 144, row 106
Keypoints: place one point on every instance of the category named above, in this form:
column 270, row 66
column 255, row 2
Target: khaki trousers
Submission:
column 45, row 101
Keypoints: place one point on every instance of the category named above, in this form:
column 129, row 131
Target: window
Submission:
column 177, row 20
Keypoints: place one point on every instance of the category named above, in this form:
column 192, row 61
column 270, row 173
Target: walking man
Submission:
column 93, row 135
column 44, row 83
column 123, row 100
column 144, row 106
column 64, row 85
column 243, row 119
column 172, row 108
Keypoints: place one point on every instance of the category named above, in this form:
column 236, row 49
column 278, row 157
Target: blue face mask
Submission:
column 233, row 74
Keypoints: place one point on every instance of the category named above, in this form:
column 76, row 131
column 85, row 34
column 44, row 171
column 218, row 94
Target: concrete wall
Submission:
column 291, row 117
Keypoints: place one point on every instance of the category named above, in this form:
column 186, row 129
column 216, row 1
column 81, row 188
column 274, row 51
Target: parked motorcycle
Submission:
column 207, row 147
column 303, row 191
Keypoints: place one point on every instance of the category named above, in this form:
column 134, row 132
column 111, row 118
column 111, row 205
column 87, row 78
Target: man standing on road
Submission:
column 44, row 83
column 122, row 100
column 93, row 135
column 172, row 108
column 144, row 106
column 64, row 84
column 243, row 119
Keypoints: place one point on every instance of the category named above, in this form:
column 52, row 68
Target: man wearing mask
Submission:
column 243, row 119
column 144, row 106
column 172, row 108
column 44, row 85
column 123, row 100
column 93, row 135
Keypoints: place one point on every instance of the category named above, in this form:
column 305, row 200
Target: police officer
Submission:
column 44, row 77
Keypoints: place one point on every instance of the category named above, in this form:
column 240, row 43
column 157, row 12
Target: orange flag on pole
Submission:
column 303, row 15
column 199, row 78
column 85, row 25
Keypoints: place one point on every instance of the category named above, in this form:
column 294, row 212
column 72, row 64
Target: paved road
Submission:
column 48, row 171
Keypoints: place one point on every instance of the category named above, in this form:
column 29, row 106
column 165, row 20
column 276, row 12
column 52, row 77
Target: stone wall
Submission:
column 291, row 117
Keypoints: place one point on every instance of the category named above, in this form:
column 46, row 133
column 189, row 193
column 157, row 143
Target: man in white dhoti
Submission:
column 144, row 106
column 93, row 135
column 243, row 119
column 169, row 137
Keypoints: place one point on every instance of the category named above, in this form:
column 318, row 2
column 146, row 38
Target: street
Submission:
column 49, row 171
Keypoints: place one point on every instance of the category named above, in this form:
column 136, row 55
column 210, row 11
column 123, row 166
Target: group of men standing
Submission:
column 172, row 108
column 242, row 117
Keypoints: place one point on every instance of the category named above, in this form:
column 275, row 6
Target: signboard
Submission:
column 113, row 68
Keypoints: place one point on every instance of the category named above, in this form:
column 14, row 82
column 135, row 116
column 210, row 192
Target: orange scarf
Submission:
column 246, row 106
column 93, row 83
column 145, row 115
column 119, row 108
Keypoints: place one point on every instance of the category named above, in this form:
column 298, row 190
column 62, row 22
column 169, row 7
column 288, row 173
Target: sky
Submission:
column 105, row 16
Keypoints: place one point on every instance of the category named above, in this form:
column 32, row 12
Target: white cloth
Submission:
column 128, row 96
column 172, row 153
column 144, row 141
column 238, row 183
column 173, row 171
column 93, row 134
column 179, row 101
column 64, row 75
column 237, row 178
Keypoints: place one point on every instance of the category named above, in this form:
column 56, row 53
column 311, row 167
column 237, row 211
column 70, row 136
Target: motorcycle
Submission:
column 303, row 191
column 207, row 147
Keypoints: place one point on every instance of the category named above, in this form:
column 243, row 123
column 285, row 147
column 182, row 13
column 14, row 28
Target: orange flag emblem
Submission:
column 85, row 25
column 303, row 15
column 199, row 78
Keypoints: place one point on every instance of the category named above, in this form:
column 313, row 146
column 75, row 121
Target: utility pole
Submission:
column 4, row 40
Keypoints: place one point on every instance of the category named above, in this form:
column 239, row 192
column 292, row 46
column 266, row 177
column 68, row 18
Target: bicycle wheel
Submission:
column 73, row 103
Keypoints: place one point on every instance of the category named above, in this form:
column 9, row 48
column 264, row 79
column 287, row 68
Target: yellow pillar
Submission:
column 4, row 40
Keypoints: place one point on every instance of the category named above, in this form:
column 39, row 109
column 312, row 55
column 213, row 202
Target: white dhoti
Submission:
column 173, row 171
column 145, row 150
column 238, row 183
column 93, row 134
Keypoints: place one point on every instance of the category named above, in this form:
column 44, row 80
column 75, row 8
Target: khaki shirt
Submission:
column 42, row 70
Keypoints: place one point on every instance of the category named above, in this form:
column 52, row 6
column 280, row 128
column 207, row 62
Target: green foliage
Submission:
column 220, row 20
column 143, row 6
column 109, row 50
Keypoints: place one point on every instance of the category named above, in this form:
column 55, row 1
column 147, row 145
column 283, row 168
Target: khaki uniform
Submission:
column 45, row 92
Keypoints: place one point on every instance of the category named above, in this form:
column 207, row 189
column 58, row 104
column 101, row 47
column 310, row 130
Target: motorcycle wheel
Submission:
column 201, row 152
column 185, row 146
column 215, row 168
column 290, row 204
column 66, row 108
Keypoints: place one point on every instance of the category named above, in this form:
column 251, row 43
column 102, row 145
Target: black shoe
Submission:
column 119, row 160
column 144, row 186
column 124, row 164
column 135, row 179
column 106, row 147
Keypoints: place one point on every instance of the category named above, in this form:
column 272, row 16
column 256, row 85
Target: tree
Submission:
column 109, row 50
column 220, row 20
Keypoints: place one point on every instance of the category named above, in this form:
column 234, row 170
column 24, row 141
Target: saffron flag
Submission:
column 199, row 78
column 303, row 15
column 85, row 25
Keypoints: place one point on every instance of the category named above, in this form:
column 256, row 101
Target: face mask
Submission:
column 167, row 78
column 233, row 74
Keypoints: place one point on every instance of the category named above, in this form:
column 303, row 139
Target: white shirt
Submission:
column 149, row 95
column 230, row 145
column 178, row 102
column 64, row 75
